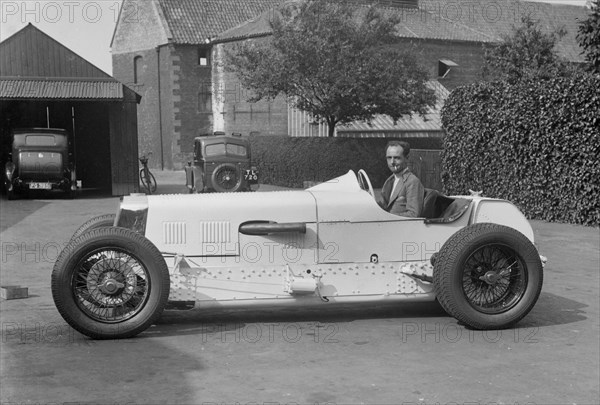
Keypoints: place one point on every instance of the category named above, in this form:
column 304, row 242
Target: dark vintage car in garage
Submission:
column 221, row 163
column 39, row 159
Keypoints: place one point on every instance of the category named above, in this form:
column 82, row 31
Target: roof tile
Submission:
column 193, row 21
column 460, row 20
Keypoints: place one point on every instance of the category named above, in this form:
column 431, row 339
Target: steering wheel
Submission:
column 364, row 182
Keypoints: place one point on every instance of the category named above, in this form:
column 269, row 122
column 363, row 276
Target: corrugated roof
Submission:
column 431, row 122
column 192, row 21
column 61, row 89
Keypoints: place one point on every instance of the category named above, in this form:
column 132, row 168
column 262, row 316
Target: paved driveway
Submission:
column 378, row 354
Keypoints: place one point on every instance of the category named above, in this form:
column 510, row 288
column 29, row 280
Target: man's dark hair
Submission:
column 403, row 144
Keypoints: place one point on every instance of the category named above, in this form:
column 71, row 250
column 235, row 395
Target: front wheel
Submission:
column 488, row 276
column 110, row 283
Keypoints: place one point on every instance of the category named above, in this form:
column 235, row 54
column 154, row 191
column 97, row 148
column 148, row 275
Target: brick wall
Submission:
column 233, row 113
column 147, row 87
column 192, row 112
column 468, row 56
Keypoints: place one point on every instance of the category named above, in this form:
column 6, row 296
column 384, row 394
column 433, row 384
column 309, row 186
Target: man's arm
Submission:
column 414, row 198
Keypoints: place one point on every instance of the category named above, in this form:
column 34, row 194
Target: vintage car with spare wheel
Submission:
column 221, row 163
column 40, row 159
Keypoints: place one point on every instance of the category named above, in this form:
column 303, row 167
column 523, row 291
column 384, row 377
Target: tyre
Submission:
column 101, row 221
column 226, row 178
column 148, row 181
column 488, row 276
column 110, row 283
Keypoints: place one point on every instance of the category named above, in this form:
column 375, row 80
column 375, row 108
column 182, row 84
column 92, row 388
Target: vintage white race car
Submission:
column 328, row 244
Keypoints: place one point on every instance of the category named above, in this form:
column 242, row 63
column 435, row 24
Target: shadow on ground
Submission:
column 194, row 321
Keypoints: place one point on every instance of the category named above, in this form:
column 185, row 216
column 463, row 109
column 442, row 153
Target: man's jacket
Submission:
column 406, row 199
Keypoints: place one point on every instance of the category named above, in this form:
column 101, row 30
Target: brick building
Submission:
column 161, row 49
column 170, row 52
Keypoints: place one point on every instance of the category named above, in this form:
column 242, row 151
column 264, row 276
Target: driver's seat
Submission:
column 435, row 204
column 429, row 200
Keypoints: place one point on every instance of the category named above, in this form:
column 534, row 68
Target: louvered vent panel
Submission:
column 174, row 233
column 215, row 232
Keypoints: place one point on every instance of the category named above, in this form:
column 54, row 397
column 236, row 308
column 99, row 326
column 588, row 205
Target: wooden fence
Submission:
column 427, row 166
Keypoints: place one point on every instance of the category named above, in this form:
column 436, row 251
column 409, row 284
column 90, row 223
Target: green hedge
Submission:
column 289, row 161
column 536, row 143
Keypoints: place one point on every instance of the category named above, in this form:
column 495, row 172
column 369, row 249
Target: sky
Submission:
column 84, row 26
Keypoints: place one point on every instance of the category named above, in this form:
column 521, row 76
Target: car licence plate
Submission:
column 251, row 176
column 40, row 186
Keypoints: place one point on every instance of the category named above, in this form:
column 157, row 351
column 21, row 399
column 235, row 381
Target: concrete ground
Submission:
column 377, row 354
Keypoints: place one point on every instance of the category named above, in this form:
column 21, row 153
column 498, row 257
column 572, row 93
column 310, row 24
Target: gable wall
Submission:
column 238, row 115
column 468, row 56
column 30, row 53
column 139, row 27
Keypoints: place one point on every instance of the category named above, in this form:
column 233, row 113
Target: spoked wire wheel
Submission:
column 226, row 178
column 494, row 279
column 110, row 285
column 488, row 276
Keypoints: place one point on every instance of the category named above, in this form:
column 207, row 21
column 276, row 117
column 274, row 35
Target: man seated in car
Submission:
column 402, row 193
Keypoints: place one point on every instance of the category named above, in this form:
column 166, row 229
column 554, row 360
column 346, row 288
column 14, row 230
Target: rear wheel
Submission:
column 110, row 283
column 148, row 181
column 488, row 276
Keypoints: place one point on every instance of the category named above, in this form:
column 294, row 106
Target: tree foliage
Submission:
column 588, row 36
column 535, row 142
column 335, row 60
column 527, row 51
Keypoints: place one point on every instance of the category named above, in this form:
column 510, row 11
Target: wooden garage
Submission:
column 44, row 84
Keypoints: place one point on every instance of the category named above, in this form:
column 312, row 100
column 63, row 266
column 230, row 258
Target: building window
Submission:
column 204, row 56
column 138, row 62
column 204, row 102
column 444, row 67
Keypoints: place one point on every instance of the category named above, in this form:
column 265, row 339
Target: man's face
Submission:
column 396, row 160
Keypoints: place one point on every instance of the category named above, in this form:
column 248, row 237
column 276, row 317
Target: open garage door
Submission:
column 87, row 124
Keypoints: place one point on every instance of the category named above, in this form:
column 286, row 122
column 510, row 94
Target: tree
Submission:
column 526, row 51
column 335, row 60
column 588, row 36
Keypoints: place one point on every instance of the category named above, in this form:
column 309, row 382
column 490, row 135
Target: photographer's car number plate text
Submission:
column 40, row 186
